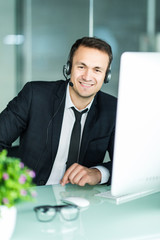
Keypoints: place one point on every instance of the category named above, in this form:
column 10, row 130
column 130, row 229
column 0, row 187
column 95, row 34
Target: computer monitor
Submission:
column 136, row 163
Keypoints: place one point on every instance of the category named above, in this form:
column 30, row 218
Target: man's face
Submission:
column 88, row 72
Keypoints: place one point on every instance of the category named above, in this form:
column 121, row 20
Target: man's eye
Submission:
column 80, row 67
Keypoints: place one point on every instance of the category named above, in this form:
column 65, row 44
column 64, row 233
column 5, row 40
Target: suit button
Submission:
column 41, row 182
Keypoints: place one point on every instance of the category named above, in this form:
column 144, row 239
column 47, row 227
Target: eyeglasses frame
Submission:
column 57, row 209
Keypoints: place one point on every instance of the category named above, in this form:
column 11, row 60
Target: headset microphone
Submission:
column 70, row 84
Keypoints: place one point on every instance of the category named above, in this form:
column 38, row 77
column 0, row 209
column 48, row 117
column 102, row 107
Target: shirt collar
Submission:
column 70, row 104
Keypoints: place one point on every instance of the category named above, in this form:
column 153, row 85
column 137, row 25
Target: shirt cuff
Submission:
column 104, row 173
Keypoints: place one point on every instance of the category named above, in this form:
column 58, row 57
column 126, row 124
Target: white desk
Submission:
column 102, row 220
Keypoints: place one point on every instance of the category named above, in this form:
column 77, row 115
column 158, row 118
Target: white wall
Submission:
column 7, row 53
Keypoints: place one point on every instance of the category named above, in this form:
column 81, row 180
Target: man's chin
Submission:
column 86, row 96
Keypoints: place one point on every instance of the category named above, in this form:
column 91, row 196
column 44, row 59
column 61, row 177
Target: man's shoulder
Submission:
column 106, row 104
column 45, row 86
column 103, row 97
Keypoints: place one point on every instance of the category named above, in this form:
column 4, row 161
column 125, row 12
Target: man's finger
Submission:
column 65, row 178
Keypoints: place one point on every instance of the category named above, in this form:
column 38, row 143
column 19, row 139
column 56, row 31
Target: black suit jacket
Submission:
column 36, row 116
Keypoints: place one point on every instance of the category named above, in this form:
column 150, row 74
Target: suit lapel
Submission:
column 58, row 110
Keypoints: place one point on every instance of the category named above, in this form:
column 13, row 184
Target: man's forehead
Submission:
column 92, row 62
column 92, row 54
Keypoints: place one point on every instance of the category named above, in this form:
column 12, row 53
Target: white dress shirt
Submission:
column 59, row 165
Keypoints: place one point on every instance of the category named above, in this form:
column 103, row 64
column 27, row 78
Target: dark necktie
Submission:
column 73, row 153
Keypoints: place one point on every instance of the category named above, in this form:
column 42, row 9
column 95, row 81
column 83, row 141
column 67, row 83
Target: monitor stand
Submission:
column 126, row 198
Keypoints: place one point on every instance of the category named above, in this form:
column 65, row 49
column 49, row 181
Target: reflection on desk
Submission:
column 138, row 219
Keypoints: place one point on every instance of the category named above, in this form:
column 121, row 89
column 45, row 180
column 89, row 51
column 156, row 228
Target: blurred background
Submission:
column 36, row 36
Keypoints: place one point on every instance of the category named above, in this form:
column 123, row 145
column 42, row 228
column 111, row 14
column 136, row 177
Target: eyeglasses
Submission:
column 47, row 213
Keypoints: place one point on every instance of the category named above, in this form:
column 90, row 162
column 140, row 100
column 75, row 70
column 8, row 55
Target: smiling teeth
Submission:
column 86, row 84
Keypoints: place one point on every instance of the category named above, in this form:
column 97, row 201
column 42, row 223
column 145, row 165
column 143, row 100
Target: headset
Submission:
column 67, row 72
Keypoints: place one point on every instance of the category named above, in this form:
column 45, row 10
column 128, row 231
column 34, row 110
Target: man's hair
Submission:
column 91, row 42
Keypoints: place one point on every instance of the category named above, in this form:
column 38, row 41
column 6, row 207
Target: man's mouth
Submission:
column 85, row 84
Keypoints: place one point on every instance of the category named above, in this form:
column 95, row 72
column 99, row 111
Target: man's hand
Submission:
column 80, row 175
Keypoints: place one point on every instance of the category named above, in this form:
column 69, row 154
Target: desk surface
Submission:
column 103, row 220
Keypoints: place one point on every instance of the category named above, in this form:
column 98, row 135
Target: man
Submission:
column 42, row 115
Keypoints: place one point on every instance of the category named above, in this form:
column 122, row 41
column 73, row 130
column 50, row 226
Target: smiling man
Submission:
column 45, row 115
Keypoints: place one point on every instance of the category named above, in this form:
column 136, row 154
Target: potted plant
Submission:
column 16, row 185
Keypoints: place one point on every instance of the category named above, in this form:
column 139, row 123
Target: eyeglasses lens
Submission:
column 69, row 213
column 46, row 215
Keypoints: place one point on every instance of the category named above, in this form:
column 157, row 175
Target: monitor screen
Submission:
column 136, row 164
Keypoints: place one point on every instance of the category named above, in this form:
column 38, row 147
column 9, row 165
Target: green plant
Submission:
column 16, row 181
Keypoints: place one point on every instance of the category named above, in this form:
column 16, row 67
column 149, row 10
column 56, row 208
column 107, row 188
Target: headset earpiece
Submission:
column 108, row 75
column 67, row 69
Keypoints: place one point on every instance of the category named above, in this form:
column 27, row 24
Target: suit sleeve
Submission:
column 109, row 164
column 14, row 118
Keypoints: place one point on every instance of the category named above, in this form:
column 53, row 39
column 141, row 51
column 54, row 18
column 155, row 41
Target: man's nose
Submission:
column 87, row 75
